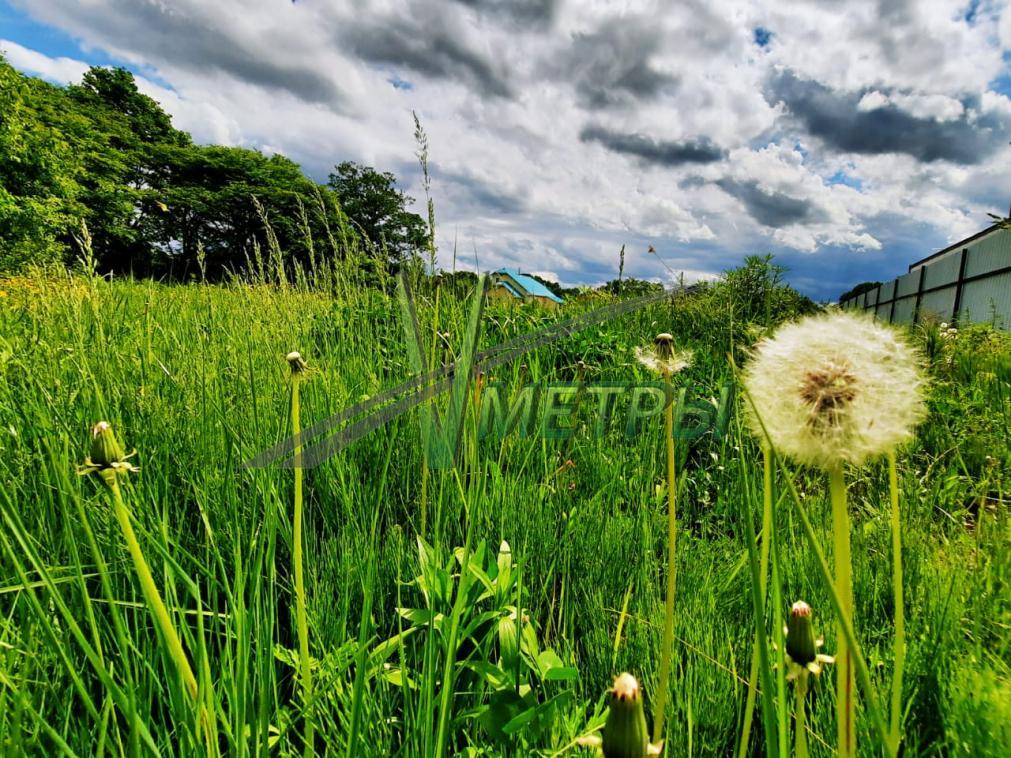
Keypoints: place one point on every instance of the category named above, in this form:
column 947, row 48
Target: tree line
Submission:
column 99, row 164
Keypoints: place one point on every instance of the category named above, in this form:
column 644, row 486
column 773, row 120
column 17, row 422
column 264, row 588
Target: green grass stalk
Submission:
column 763, row 568
column 668, row 621
column 845, row 700
column 449, row 666
column 300, row 602
column 782, row 709
column 895, row 733
column 147, row 585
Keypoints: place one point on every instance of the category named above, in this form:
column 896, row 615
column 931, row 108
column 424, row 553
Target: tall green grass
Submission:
column 404, row 636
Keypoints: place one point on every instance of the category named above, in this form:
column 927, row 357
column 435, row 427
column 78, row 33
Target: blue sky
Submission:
column 849, row 140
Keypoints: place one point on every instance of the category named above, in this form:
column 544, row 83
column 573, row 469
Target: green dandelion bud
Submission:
column 800, row 641
column 625, row 734
column 105, row 448
column 107, row 457
column 801, row 644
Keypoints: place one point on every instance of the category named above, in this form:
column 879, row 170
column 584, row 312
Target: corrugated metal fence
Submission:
column 969, row 284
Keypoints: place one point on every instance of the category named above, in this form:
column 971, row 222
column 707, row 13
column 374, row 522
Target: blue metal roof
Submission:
column 531, row 285
column 510, row 289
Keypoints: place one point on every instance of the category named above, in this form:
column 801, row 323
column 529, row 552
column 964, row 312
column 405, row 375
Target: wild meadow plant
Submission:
column 803, row 661
column 828, row 391
column 299, row 371
column 625, row 734
column 664, row 360
column 109, row 461
column 461, row 661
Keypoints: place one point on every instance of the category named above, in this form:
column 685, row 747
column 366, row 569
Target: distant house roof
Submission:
column 530, row 285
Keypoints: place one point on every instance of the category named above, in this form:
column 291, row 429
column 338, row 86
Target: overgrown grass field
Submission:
column 410, row 655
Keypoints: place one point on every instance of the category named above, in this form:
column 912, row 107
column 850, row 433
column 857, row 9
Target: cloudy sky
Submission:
column 848, row 138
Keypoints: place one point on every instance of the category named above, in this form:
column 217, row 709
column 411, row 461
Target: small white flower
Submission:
column 835, row 388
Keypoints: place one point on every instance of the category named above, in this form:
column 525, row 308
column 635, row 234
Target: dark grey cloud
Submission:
column 773, row 209
column 649, row 150
column 423, row 42
column 612, row 66
column 472, row 194
column 187, row 41
column 833, row 116
column 519, row 12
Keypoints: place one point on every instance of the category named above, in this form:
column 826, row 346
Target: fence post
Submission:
column 895, row 296
column 919, row 295
column 957, row 307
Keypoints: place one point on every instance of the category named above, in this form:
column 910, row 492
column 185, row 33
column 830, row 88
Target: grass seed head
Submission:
column 835, row 388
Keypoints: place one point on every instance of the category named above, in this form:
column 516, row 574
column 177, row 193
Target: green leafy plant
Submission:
column 516, row 687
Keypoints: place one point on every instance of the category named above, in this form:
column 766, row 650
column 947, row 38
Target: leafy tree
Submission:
column 379, row 210
column 38, row 191
column 757, row 294
column 119, row 133
column 631, row 287
column 859, row 289
column 116, row 89
column 103, row 153
column 202, row 199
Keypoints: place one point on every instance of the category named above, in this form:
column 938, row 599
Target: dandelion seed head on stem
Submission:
column 836, row 388
column 296, row 363
column 662, row 358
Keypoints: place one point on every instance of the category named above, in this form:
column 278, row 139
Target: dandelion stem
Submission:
column 300, row 603
column 147, row 585
column 900, row 615
column 668, row 624
column 845, row 707
column 800, row 736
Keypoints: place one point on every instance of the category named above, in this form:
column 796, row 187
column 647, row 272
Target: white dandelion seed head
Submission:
column 663, row 359
column 835, row 388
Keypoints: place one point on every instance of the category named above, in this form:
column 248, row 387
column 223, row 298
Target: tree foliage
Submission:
column 858, row 289
column 378, row 209
column 38, row 188
column 104, row 154
column 631, row 287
